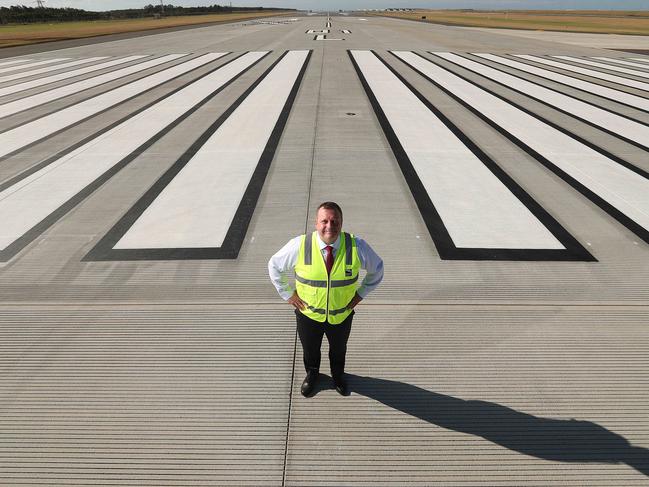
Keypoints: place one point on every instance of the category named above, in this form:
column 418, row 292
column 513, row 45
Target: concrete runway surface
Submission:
column 145, row 182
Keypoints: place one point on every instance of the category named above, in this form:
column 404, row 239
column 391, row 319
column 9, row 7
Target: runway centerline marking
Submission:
column 202, row 206
column 34, row 199
column 599, row 90
column 466, row 199
column 26, row 85
column 24, row 135
column 322, row 37
column 641, row 85
column 610, row 122
column 623, row 193
column 41, row 98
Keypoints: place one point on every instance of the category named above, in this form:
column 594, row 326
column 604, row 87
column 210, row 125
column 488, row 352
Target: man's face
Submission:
column 328, row 224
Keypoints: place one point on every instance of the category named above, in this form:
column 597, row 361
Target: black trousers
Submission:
column 311, row 332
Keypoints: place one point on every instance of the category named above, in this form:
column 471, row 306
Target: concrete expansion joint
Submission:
column 260, row 304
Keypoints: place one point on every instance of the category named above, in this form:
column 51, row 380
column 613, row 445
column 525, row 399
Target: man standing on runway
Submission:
column 326, row 263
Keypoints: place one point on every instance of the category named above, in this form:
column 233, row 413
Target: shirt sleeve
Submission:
column 373, row 264
column 280, row 264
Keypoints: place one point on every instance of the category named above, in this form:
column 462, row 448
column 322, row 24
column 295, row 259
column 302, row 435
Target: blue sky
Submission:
column 355, row 4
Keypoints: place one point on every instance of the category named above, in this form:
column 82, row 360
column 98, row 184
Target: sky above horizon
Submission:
column 100, row 5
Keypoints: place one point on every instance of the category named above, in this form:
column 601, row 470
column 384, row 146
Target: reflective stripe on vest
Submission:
column 326, row 295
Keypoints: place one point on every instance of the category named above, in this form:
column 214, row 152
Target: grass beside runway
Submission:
column 592, row 21
column 23, row 34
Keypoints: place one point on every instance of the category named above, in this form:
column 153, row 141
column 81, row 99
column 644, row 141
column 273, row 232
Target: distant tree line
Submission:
column 20, row 14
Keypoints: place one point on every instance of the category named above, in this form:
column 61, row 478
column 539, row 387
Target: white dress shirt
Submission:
column 285, row 260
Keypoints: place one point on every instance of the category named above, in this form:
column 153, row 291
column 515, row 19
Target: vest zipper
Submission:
column 329, row 285
column 328, row 289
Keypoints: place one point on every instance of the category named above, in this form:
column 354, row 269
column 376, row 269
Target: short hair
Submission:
column 330, row 205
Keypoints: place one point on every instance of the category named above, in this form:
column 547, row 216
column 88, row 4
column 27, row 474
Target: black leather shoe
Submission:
column 309, row 382
column 341, row 387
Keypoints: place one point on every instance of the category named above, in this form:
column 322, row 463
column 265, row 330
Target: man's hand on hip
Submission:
column 355, row 300
column 296, row 302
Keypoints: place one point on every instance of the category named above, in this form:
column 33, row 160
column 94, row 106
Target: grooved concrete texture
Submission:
column 177, row 373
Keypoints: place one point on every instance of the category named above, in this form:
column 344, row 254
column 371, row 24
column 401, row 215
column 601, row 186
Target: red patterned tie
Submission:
column 329, row 259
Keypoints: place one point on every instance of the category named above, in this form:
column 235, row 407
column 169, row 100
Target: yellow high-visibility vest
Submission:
column 327, row 296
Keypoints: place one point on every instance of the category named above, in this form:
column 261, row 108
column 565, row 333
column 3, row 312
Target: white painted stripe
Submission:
column 14, row 61
column 610, row 67
column 32, row 199
column 63, row 91
column 32, row 65
column 28, row 133
column 628, row 128
column 643, row 59
column 594, row 88
column 196, row 209
column 26, row 85
column 620, row 187
column 477, row 209
column 624, row 62
column 47, row 69
column 588, row 72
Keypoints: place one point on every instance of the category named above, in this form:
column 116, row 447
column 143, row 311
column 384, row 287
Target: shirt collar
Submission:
column 322, row 245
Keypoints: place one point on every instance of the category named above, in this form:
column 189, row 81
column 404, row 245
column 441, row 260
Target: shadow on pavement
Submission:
column 545, row 438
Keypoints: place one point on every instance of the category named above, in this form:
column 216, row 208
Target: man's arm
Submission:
column 280, row 264
column 373, row 264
